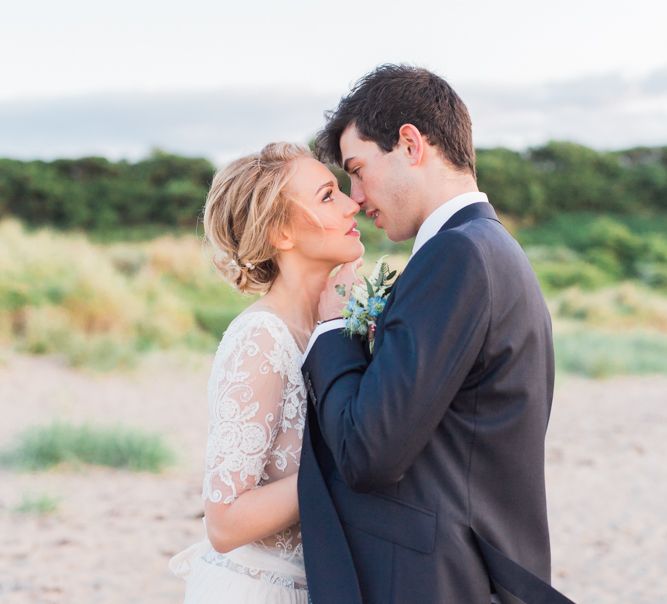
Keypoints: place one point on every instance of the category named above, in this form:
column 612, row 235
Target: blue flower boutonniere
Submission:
column 367, row 301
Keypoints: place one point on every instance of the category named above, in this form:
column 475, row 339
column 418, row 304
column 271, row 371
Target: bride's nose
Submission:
column 351, row 207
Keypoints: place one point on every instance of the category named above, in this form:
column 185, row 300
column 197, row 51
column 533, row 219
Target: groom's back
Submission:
column 509, row 392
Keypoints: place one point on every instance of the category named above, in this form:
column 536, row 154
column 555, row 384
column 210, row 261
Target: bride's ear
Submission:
column 283, row 239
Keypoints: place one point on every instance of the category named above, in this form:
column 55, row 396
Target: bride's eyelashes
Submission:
column 356, row 172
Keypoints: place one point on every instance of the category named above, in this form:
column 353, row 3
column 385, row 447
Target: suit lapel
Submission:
column 333, row 579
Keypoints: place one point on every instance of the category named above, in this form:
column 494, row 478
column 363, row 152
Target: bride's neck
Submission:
column 295, row 293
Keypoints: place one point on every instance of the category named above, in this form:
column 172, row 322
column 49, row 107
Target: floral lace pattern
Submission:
column 257, row 415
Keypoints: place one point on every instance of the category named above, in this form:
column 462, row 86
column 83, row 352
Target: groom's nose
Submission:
column 357, row 193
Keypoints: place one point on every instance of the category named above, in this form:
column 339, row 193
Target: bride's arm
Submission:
column 256, row 514
column 245, row 411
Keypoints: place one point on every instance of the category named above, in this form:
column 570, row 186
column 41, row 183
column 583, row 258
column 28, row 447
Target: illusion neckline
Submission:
column 280, row 319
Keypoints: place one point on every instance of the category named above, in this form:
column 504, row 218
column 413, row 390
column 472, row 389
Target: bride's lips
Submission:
column 353, row 232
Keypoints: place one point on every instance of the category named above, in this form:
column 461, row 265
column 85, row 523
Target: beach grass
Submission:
column 38, row 504
column 103, row 304
column 43, row 447
column 603, row 353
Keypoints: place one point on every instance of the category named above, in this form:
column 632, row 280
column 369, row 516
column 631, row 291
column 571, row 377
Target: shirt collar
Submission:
column 437, row 219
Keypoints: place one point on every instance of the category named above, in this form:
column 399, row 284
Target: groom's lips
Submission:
column 373, row 215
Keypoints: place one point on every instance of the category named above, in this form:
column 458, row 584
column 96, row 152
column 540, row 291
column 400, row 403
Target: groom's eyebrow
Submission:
column 346, row 162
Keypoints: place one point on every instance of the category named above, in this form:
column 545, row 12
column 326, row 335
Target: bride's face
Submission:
column 323, row 227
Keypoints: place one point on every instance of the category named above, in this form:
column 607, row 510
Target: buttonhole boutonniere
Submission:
column 367, row 301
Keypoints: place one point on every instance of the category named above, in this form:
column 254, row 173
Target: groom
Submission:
column 422, row 469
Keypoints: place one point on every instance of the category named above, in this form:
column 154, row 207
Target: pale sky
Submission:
column 551, row 61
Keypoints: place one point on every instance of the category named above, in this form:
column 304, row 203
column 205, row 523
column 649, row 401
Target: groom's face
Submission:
column 379, row 184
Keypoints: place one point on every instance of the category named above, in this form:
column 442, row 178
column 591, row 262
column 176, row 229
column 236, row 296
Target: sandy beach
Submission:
column 114, row 530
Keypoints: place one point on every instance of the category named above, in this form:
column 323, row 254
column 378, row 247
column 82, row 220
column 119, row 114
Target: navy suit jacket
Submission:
column 422, row 468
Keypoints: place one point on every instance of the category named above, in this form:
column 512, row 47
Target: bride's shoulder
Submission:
column 255, row 323
column 258, row 334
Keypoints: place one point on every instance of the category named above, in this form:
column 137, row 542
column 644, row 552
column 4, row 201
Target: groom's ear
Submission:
column 411, row 142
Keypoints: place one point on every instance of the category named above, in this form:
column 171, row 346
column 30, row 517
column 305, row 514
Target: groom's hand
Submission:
column 337, row 290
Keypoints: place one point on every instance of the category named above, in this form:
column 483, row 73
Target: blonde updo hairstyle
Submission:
column 244, row 207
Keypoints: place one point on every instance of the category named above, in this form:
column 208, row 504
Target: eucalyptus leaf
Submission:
column 369, row 287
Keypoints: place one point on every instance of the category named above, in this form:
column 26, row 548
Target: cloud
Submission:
column 603, row 111
column 656, row 82
column 214, row 124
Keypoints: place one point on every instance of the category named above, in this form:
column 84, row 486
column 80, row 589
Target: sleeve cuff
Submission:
column 319, row 330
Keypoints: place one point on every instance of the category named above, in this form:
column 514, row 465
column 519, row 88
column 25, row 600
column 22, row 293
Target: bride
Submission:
column 278, row 224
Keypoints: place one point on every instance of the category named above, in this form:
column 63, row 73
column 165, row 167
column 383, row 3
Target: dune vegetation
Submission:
column 42, row 447
column 105, row 304
column 102, row 262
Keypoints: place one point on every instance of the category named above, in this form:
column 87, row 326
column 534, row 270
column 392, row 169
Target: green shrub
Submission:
column 513, row 182
column 94, row 193
column 166, row 190
column 37, row 504
column 602, row 354
column 215, row 320
column 624, row 306
column 101, row 306
column 653, row 274
column 42, row 447
column 608, row 244
column 555, row 276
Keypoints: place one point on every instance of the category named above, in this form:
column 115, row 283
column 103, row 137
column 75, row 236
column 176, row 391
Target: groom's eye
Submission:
column 329, row 196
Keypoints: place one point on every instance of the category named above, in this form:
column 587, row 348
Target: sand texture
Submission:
column 114, row 530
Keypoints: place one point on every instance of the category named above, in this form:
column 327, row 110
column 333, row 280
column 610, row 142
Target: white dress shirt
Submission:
column 438, row 217
column 429, row 228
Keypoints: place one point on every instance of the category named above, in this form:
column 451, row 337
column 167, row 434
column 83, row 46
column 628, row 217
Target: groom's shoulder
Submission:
column 475, row 243
column 446, row 250
column 482, row 236
column 461, row 241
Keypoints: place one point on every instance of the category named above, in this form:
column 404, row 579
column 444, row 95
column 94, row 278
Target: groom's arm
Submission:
column 377, row 416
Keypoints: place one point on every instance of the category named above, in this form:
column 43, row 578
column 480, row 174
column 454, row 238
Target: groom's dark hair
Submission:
column 393, row 95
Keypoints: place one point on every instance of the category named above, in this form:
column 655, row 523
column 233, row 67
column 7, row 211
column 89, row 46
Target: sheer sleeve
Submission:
column 245, row 406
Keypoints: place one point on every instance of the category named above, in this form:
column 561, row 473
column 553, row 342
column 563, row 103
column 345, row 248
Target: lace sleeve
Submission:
column 245, row 405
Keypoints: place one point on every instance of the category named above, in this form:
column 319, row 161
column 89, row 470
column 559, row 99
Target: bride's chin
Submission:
column 359, row 249
column 351, row 254
column 352, row 257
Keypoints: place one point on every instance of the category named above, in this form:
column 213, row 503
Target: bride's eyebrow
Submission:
column 326, row 184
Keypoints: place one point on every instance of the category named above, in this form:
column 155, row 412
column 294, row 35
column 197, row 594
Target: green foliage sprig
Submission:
column 367, row 302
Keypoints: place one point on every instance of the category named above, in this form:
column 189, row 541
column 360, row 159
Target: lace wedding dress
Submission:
column 257, row 408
